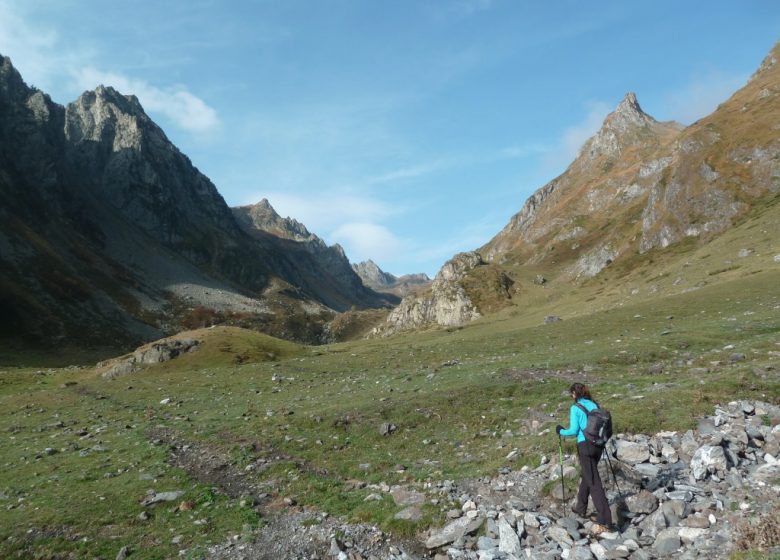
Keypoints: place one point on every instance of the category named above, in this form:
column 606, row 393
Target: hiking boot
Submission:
column 579, row 512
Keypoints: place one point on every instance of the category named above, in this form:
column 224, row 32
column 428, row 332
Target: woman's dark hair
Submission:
column 580, row 391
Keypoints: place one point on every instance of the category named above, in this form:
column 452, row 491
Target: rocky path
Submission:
column 288, row 531
column 700, row 494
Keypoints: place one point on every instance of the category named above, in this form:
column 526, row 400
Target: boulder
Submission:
column 631, row 452
column 708, row 459
column 453, row 531
column 509, row 541
column 667, row 542
column 643, row 502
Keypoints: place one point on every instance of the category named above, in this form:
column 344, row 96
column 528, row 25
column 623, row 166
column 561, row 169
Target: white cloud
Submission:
column 411, row 172
column 323, row 212
column 701, row 95
column 46, row 60
column 366, row 240
column 576, row 135
column 33, row 48
column 183, row 108
column 522, row 151
column 460, row 9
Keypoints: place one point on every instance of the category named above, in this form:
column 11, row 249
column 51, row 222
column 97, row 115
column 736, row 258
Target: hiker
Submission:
column 589, row 455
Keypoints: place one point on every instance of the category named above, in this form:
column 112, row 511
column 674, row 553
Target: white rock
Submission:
column 509, row 542
column 690, row 534
column 598, row 551
column 631, row 452
column 708, row 459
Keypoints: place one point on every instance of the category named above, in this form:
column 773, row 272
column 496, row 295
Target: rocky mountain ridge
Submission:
column 110, row 234
column 381, row 281
column 637, row 185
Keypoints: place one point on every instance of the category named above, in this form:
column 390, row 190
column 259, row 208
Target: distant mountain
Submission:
column 325, row 267
column 109, row 234
column 381, row 281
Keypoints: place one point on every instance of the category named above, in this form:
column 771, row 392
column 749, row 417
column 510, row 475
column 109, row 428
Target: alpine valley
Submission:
column 110, row 236
column 184, row 379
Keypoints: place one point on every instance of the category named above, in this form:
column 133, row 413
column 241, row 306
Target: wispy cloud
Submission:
column 575, row 136
column 324, row 212
column 353, row 220
column 701, row 95
column 366, row 240
column 184, row 109
column 44, row 59
column 35, row 49
column 459, row 9
column 412, row 171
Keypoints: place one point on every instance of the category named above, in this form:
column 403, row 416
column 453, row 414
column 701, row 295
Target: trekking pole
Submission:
column 560, row 462
column 614, row 477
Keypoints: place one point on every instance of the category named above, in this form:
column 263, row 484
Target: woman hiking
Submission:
column 589, row 455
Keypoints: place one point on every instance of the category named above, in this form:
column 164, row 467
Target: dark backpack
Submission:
column 599, row 427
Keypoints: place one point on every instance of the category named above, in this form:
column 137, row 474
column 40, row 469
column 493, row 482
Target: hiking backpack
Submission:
column 598, row 430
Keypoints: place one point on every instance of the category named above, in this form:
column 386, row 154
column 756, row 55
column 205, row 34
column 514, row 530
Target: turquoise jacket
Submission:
column 578, row 419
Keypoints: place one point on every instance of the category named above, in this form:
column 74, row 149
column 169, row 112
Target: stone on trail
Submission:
column 667, row 542
column 580, row 553
column 531, row 520
column 123, row 553
column 673, row 511
column 560, row 535
column 708, row 459
column 571, row 525
column 643, row 502
column 158, row 497
column 688, row 535
column 453, row 531
column 411, row 513
column 403, row 497
column 598, row 551
column 631, row 452
column 509, row 542
column 387, row 428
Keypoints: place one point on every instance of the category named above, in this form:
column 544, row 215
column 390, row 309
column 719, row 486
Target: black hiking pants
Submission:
column 590, row 485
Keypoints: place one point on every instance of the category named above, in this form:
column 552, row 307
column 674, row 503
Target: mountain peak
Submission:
column 626, row 126
column 629, row 106
column 627, row 114
column 128, row 104
column 372, row 275
column 11, row 82
column 262, row 216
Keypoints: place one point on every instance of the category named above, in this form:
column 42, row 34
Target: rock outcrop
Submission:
column 447, row 302
column 154, row 353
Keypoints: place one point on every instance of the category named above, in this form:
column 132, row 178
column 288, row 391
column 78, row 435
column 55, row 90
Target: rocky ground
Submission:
column 704, row 493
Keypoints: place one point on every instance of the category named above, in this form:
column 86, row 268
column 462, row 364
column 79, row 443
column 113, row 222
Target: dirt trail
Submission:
column 288, row 532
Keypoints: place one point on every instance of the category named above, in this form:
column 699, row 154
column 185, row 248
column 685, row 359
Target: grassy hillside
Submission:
column 82, row 452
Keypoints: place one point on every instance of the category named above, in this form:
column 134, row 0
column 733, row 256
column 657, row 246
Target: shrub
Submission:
column 759, row 533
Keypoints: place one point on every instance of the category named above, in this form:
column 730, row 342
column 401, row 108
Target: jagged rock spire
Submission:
column 620, row 129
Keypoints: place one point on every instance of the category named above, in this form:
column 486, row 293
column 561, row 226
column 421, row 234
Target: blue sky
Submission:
column 407, row 131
